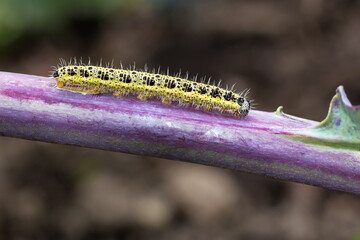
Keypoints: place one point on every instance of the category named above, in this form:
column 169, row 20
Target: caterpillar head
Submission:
column 245, row 106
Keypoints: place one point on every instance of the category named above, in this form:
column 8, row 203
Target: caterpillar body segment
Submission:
column 121, row 82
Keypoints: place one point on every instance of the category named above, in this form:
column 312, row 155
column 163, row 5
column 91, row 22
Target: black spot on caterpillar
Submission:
column 87, row 79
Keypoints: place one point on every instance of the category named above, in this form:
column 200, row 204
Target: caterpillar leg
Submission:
column 142, row 97
column 238, row 114
column 59, row 85
column 166, row 100
column 208, row 108
column 118, row 94
column 92, row 91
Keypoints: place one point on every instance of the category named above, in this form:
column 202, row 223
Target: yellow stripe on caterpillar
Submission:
column 121, row 82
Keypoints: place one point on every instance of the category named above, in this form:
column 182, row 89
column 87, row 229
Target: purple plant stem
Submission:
column 262, row 143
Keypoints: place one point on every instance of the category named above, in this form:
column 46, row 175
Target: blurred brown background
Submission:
column 290, row 53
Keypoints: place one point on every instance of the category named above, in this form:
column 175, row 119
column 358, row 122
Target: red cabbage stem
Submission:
column 268, row 143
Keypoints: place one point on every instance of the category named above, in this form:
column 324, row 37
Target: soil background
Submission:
column 290, row 53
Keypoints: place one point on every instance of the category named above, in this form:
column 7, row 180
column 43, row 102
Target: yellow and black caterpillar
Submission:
column 88, row 79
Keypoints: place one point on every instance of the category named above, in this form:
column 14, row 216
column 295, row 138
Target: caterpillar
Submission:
column 88, row 79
